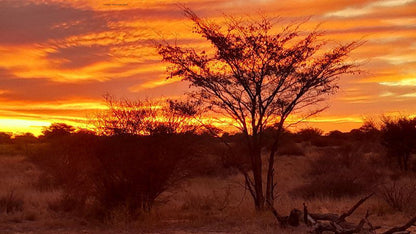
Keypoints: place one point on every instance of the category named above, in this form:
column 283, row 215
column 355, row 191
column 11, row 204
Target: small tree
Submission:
column 148, row 150
column 258, row 78
column 57, row 130
column 5, row 137
column 128, row 117
column 144, row 148
column 399, row 137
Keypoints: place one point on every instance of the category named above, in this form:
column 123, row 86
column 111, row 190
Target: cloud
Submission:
column 25, row 23
column 57, row 52
column 404, row 82
column 79, row 56
column 369, row 8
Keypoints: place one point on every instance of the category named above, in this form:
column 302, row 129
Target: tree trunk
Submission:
column 270, row 171
column 258, row 179
column 270, row 176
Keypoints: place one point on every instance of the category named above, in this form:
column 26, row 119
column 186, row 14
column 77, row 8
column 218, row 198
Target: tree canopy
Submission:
column 259, row 77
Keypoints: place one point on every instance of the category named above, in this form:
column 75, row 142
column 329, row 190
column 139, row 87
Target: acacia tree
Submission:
column 259, row 77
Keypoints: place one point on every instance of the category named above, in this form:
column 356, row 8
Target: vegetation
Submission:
column 399, row 137
column 128, row 167
column 259, row 78
column 186, row 176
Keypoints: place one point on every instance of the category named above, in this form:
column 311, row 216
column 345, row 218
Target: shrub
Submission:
column 291, row 148
column 217, row 201
column 108, row 172
column 5, row 138
column 338, row 173
column 10, row 203
column 309, row 133
column 399, row 137
column 334, row 185
column 399, row 194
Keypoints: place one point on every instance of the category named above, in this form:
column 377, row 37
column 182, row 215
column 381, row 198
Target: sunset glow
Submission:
column 58, row 58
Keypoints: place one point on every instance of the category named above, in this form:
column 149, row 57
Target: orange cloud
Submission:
column 55, row 66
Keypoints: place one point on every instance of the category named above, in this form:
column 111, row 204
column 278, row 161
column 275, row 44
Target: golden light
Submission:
column 34, row 72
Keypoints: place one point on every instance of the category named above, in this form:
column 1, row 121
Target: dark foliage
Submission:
column 57, row 130
column 10, row 203
column 258, row 78
column 338, row 173
column 399, row 137
column 5, row 137
column 309, row 133
column 108, row 172
column 400, row 194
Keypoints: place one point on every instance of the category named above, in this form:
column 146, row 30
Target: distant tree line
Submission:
column 119, row 168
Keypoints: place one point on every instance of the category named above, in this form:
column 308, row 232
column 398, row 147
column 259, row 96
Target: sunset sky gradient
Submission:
column 59, row 57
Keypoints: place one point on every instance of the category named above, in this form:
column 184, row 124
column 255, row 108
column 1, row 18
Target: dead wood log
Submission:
column 324, row 217
column 336, row 223
column 307, row 219
column 350, row 211
column 396, row 230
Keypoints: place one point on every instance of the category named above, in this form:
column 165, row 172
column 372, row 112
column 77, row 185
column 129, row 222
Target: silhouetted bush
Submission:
column 290, row 148
column 10, row 203
column 309, row 133
column 334, row 185
column 338, row 173
column 314, row 136
column 108, row 172
column 399, row 137
column 400, row 194
column 57, row 130
column 5, row 138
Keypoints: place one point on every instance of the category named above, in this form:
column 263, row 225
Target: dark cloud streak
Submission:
column 37, row 23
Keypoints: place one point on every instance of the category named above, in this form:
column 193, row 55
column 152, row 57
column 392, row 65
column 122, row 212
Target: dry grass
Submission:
column 203, row 204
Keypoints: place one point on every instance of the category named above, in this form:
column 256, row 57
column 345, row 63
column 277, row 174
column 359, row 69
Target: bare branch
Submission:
column 407, row 225
column 350, row 211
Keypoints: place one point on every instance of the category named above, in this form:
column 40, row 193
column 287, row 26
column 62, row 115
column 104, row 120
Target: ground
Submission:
column 204, row 204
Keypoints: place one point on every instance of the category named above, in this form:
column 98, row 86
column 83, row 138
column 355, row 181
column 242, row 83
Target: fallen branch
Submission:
column 358, row 204
column 403, row 228
column 335, row 223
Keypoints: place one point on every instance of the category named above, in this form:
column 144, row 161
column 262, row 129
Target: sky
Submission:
column 59, row 57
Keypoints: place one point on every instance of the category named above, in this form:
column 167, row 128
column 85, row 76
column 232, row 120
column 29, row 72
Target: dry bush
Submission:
column 212, row 159
column 216, row 201
column 10, row 203
column 399, row 194
column 102, row 174
column 291, row 148
column 399, row 138
column 338, row 173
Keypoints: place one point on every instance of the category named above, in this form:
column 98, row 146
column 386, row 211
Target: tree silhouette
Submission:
column 143, row 117
column 57, row 130
column 399, row 137
column 5, row 137
column 258, row 78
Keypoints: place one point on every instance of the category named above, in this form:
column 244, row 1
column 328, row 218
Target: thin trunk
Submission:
column 258, row 180
column 270, row 171
column 270, row 175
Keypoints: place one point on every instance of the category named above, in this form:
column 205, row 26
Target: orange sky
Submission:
column 58, row 57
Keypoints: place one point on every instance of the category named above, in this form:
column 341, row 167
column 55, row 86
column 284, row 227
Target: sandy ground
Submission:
column 200, row 205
